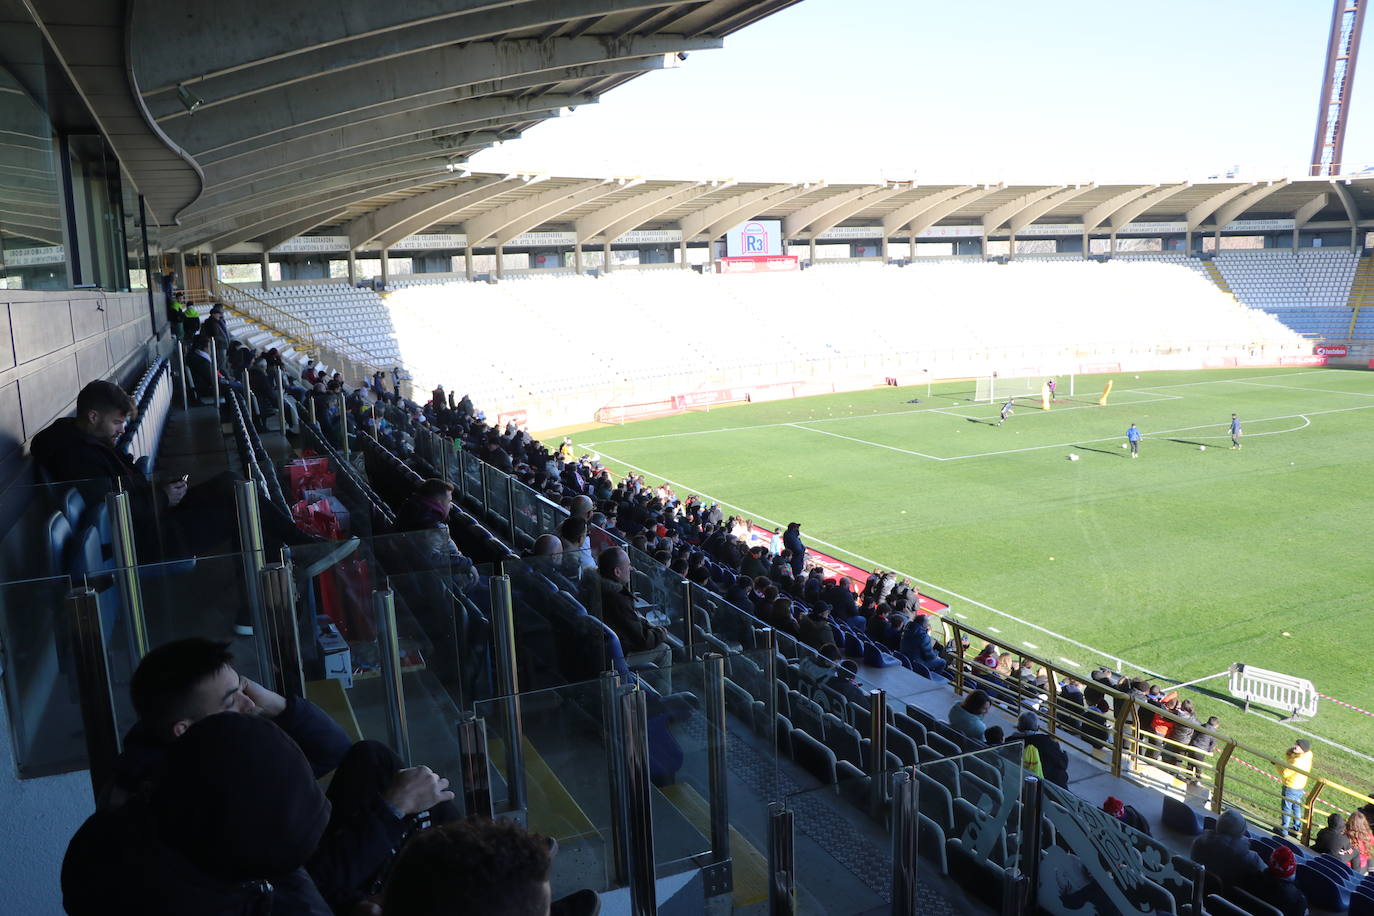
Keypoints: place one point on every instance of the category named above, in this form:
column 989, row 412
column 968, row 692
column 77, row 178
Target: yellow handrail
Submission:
column 1124, row 745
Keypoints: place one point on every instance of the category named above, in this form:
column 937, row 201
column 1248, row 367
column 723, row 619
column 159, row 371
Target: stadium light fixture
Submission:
column 189, row 100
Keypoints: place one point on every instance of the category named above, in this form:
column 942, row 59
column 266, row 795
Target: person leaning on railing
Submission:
column 1298, row 763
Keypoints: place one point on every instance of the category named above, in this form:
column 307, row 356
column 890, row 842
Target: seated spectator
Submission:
column 780, row 617
column 480, row 868
column 374, row 800
column 1275, row 885
column 838, row 594
column 815, row 627
column 1127, row 814
column 171, row 520
column 968, row 717
column 1361, row 842
column 641, row 642
column 227, row 829
column 577, row 551
column 1095, row 730
column 993, row 735
column 988, row 657
column 203, row 370
column 428, row 506
column 1053, row 762
column 1225, row 850
column 1332, row 841
column 917, row 645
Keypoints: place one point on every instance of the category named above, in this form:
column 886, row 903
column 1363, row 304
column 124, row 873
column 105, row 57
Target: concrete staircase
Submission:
column 1361, row 291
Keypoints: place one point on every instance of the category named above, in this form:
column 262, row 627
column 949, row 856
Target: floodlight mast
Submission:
column 1338, row 81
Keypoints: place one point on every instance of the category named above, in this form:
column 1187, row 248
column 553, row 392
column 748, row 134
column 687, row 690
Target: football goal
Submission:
column 997, row 387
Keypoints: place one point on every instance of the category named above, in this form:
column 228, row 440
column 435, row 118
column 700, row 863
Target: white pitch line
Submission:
column 892, row 448
column 1273, row 432
column 738, row 429
column 1029, row 645
column 874, row 564
column 1226, row 381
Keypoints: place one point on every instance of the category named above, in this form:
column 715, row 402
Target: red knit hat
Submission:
column 1114, row 806
column 1281, row 862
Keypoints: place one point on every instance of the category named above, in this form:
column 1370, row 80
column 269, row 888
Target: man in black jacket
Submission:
column 226, row 832
column 171, row 520
column 374, row 800
column 641, row 641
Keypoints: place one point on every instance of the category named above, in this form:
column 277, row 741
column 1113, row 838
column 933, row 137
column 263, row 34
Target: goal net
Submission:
column 1000, row 387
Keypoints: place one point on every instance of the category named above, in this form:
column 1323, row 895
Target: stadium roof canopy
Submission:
column 245, row 126
column 489, row 210
column 239, row 121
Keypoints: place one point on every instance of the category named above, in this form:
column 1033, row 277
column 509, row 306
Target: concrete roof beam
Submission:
column 1234, row 208
column 995, row 218
column 506, row 222
column 1303, row 215
column 732, row 209
column 1033, row 212
column 1199, row 212
column 843, row 212
column 391, row 223
column 636, row 211
column 1127, row 213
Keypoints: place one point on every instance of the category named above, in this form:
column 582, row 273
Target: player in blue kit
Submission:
column 1133, row 437
column 1006, row 410
column 1235, row 431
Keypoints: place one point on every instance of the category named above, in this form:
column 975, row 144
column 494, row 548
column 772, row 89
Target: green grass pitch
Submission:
column 1180, row 562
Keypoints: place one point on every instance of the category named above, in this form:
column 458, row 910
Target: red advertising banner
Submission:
column 761, row 536
column 1332, row 350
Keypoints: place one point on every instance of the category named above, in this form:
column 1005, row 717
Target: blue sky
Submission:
column 999, row 90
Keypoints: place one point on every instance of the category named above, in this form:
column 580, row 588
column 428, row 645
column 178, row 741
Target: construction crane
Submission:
column 1338, row 81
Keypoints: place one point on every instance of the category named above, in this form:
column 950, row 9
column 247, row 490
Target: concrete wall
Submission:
column 51, row 343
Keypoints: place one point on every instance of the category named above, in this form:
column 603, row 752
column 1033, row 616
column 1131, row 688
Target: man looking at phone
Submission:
column 171, row 520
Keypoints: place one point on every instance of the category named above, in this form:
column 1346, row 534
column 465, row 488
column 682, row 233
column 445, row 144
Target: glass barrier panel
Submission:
column 832, row 799
column 970, row 822
column 525, row 512
column 471, row 468
column 446, row 612
column 564, row 771
column 41, row 692
column 1094, row 860
column 679, row 734
column 662, row 593
column 498, row 500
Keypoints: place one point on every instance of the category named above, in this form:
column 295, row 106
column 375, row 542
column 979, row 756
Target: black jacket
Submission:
column 70, row 456
column 1053, row 760
column 351, row 849
column 227, row 831
column 618, row 611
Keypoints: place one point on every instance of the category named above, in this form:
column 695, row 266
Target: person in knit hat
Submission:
column 1275, row 885
column 1054, row 763
column 1225, row 850
column 1127, row 814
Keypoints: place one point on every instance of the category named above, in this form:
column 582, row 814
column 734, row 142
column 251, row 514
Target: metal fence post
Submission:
column 343, row 424
column 905, row 830
column 877, row 751
column 1032, row 839
column 689, row 632
column 719, row 877
column 782, row 869
column 181, row 373
column 768, row 642
column 474, row 761
column 508, row 686
column 510, row 509
column 251, row 554
column 279, row 648
column 615, row 764
column 398, row 727
column 314, row 415
column 214, row 368
column 87, row 642
column 281, row 401
column 126, row 574
column 637, row 792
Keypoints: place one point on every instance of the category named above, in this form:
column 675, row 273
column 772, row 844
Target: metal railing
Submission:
column 1230, row 775
column 354, row 362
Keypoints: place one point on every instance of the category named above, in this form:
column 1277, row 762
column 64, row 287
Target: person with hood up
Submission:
column 1332, row 841
column 1276, row 885
column 228, row 831
column 1225, row 850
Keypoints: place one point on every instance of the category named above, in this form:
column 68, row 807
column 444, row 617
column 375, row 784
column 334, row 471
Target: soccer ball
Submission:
column 1123, row 445
column 1073, row 457
column 1202, row 448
